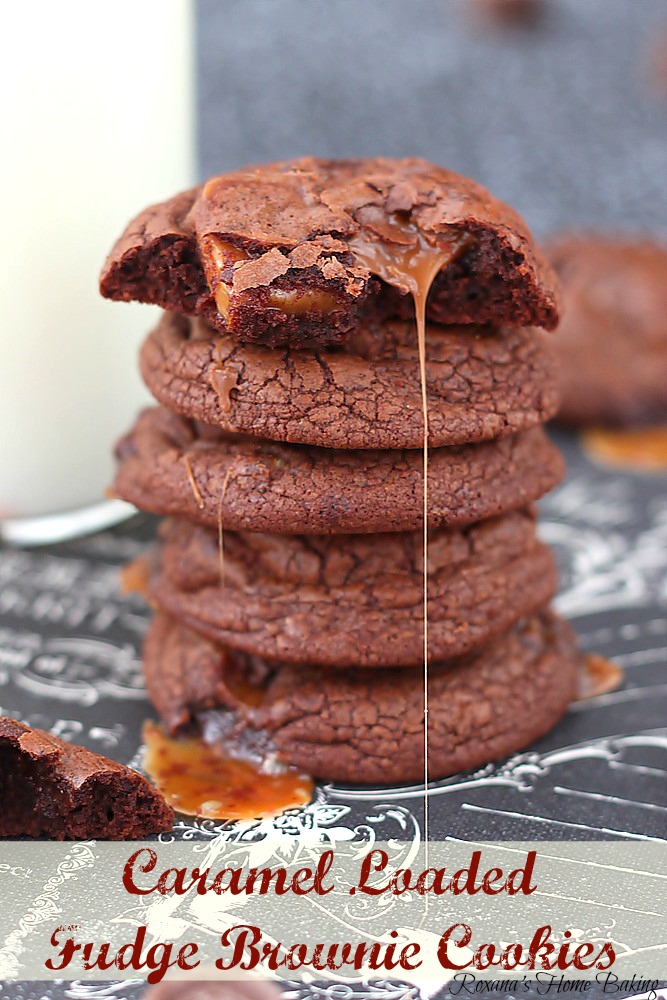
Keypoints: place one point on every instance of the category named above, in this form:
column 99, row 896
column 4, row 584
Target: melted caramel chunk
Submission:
column 597, row 676
column 297, row 303
column 643, row 449
column 135, row 575
column 251, row 695
column 392, row 248
column 219, row 257
column 224, row 381
column 202, row 780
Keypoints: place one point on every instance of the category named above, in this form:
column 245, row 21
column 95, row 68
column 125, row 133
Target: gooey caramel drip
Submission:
column 202, row 780
column 223, row 381
column 643, row 448
column 403, row 257
column 597, row 676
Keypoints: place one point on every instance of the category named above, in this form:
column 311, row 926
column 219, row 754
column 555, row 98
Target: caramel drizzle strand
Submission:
column 193, row 482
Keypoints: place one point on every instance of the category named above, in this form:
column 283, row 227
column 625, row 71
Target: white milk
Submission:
column 96, row 122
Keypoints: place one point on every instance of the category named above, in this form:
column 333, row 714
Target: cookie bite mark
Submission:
column 231, row 271
column 279, row 251
column 58, row 790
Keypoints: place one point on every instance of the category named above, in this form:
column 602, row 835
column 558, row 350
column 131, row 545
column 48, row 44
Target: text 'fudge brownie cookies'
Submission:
column 348, row 486
column 280, row 253
column 351, row 725
column 59, row 790
column 179, row 468
column 612, row 341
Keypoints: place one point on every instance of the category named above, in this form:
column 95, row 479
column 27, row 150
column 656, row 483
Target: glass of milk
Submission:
column 97, row 122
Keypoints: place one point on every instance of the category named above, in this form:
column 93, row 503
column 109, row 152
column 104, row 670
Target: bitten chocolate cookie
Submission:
column 284, row 253
column 62, row 791
column 176, row 467
column 359, row 727
column 354, row 599
column 612, row 341
column 481, row 384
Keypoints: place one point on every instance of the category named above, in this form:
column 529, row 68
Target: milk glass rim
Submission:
column 49, row 529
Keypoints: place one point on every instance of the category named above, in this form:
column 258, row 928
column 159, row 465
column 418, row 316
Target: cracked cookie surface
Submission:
column 368, row 727
column 354, row 599
column 268, row 253
column 481, row 384
column 175, row 467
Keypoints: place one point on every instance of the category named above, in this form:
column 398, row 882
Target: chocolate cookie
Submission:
column 509, row 13
column 176, row 467
column 481, row 384
column 59, row 790
column 612, row 342
column 359, row 727
column 285, row 253
column 354, row 599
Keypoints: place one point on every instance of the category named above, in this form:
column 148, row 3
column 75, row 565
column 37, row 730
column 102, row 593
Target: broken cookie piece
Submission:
column 51, row 788
column 280, row 253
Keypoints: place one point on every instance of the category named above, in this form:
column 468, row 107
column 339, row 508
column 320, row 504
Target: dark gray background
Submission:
column 559, row 120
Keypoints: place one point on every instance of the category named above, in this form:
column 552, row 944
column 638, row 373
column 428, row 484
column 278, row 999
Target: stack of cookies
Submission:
column 287, row 454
